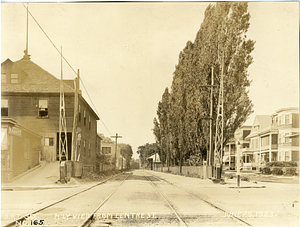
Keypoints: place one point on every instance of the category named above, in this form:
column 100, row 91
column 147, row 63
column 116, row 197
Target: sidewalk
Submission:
column 44, row 177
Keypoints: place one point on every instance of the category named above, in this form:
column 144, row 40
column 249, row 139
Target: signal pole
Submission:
column 116, row 136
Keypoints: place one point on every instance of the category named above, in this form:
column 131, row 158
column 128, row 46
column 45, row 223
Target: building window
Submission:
column 79, row 113
column 286, row 138
column 106, row 150
column 3, row 78
column 89, row 122
column 287, row 119
column 89, row 154
column 43, row 108
column 84, row 117
column 287, row 156
column 14, row 78
column 49, row 142
column 26, row 148
column 265, row 141
column 4, row 107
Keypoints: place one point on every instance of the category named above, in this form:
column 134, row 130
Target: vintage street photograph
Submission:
column 139, row 113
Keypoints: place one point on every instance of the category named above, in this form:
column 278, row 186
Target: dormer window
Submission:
column 43, row 108
column 14, row 78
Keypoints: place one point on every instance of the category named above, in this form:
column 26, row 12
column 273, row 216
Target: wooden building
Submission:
column 20, row 149
column 30, row 96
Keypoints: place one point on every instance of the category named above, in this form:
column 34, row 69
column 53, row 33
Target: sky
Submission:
column 127, row 52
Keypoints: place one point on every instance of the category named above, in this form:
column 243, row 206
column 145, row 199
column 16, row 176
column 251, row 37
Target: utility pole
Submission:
column 218, row 152
column 63, row 145
column 74, row 132
column 116, row 136
column 63, row 141
column 210, row 155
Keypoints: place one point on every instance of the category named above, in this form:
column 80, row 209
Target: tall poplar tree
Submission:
column 221, row 39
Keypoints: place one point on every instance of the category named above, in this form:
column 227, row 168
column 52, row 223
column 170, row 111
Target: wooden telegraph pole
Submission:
column 209, row 157
column 116, row 136
column 74, row 132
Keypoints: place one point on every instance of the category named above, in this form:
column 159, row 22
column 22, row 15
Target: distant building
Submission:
column 230, row 154
column 154, row 161
column 108, row 148
column 272, row 138
column 30, row 96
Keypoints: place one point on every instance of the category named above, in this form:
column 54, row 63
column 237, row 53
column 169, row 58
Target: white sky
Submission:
column 127, row 52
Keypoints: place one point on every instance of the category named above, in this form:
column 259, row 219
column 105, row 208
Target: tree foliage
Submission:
column 146, row 150
column 182, row 127
column 126, row 152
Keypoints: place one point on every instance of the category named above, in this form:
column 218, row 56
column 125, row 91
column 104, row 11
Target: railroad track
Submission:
column 181, row 220
column 81, row 222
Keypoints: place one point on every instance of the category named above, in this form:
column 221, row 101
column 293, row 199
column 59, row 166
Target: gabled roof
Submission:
column 35, row 79
column 263, row 121
column 155, row 158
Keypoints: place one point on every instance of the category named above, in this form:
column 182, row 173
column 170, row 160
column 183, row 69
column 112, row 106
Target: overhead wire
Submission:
column 68, row 65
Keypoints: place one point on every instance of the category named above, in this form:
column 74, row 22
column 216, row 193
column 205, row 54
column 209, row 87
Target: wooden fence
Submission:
column 202, row 172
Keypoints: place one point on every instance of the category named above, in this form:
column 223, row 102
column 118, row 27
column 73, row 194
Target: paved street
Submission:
column 148, row 198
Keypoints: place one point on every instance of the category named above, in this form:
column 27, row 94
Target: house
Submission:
column 31, row 97
column 20, row 149
column 112, row 152
column 230, row 149
column 263, row 140
column 272, row 138
column 154, row 161
column 287, row 122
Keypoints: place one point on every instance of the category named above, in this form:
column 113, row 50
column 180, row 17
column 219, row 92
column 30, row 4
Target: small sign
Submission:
column 15, row 131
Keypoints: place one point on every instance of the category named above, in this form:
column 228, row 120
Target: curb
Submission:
column 31, row 188
column 254, row 186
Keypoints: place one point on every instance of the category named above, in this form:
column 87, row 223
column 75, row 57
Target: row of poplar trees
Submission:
column 181, row 127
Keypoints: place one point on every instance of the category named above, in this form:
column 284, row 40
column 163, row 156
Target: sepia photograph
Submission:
column 150, row 113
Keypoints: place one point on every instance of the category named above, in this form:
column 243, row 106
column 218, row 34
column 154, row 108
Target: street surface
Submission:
column 148, row 198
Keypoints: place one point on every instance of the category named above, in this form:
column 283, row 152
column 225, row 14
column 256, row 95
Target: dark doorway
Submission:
column 69, row 143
